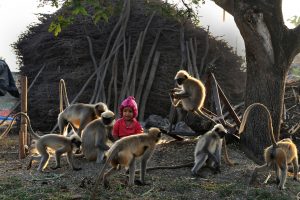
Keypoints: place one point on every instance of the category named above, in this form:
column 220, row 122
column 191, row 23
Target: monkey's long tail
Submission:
column 189, row 164
column 114, row 151
column 4, row 134
column 227, row 160
column 63, row 96
column 200, row 113
column 245, row 117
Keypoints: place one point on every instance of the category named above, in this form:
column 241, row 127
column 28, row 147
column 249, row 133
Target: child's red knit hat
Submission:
column 129, row 102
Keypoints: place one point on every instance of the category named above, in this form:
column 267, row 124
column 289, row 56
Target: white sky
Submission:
column 16, row 15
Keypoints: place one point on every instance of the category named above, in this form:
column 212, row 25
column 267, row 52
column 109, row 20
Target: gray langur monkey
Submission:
column 61, row 144
column 190, row 94
column 278, row 155
column 95, row 135
column 208, row 149
column 123, row 154
column 79, row 115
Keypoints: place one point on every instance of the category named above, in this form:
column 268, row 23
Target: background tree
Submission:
column 270, row 49
column 295, row 20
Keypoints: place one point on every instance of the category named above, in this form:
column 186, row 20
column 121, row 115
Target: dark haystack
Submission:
column 68, row 57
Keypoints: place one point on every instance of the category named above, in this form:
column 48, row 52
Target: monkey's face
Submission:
column 180, row 81
column 107, row 121
column 220, row 130
column 181, row 76
column 107, row 117
column 155, row 132
column 76, row 142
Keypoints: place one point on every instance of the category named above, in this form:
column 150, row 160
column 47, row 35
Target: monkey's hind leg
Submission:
column 44, row 161
column 295, row 168
column 277, row 171
column 58, row 154
column 71, row 161
column 199, row 162
column 213, row 162
column 256, row 170
column 144, row 161
column 33, row 158
column 110, row 172
column 131, row 172
column 283, row 170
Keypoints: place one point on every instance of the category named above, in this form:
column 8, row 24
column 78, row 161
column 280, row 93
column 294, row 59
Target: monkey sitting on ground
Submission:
column 123, row 154
column 278, row 155
column 208, row 149
column 79, row 115
column 61, row 144
column 95, row 135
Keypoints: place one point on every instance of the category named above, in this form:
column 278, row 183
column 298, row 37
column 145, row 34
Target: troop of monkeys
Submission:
column 93, row 124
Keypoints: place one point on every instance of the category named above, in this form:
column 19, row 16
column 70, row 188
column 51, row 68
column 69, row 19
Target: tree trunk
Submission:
column 270, row 49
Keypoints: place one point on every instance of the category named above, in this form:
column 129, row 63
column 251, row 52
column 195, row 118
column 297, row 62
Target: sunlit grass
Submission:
column 8, row 142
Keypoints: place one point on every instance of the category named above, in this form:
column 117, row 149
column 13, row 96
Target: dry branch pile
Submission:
column 121, row 53
column 291, row 113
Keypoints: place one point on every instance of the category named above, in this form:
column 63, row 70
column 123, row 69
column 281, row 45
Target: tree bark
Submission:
column 270, row 48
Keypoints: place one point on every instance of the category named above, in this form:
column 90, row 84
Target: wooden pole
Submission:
column 23, row 138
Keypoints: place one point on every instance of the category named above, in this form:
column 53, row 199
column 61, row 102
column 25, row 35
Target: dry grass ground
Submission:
column 232, row 183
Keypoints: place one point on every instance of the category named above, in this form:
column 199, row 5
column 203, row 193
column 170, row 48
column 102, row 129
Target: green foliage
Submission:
column 102, row 11
column 59, row 23
column 188, row 12
column 295, row 71
column 295, row 20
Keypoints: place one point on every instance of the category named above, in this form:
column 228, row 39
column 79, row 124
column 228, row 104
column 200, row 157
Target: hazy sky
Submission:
column 16, row 15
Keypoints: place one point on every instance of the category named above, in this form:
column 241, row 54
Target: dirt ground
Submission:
column 232, row 183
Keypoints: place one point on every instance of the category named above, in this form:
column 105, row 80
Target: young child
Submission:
column 127, row 124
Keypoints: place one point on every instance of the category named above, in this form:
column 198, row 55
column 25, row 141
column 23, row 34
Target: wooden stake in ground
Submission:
column 23, row 137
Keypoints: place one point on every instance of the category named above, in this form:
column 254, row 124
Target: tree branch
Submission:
column 295, row 37
column 227, row 5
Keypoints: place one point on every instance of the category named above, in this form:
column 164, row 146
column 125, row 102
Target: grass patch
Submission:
column 12, row 188
column 8, row 142
column 236, row 190
column 260, row 193
column 180, row 186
